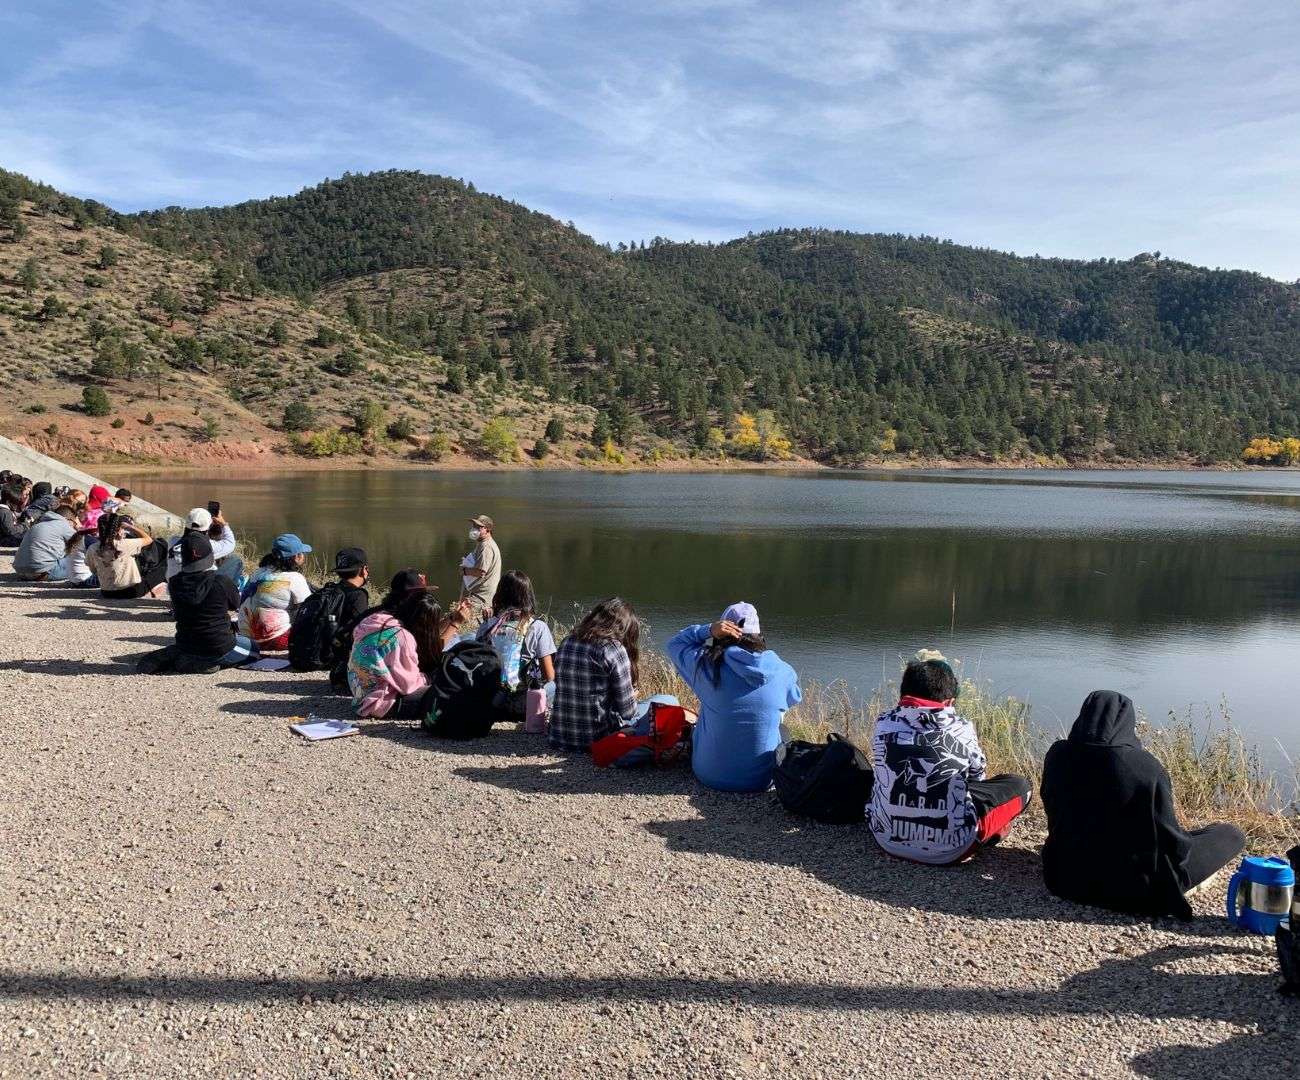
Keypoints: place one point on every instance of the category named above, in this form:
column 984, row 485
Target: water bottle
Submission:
column 1260, row 894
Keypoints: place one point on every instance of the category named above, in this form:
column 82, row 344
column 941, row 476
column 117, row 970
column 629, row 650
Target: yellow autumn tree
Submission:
column 745, row 439
column 773, row 444
column 1263, row 451
column 1290, row 451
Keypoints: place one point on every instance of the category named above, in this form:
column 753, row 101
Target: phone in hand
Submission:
column 214, row 508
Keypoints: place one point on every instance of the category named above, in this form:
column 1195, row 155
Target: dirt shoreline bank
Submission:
column 296, row 464
column 191, row 889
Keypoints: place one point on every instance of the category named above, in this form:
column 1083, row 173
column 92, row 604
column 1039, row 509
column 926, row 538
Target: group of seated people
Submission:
column 1113, row 840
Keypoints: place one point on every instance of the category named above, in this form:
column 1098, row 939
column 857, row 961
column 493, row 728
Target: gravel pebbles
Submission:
column 188, row 889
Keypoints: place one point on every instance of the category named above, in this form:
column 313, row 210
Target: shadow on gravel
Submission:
column 1000, row 882
column 1269, row 1053
column 1141, row 986
column 157, row 641
column 65, row 667
column 312, row 684
column 89, row 613
column 327, row 708
column 576, row 775
column 503, row 742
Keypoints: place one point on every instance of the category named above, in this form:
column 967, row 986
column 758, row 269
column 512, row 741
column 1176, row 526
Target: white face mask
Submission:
column 475, row 534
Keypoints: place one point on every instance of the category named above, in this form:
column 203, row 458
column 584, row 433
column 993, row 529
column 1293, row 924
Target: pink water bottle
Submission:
column 535, row 712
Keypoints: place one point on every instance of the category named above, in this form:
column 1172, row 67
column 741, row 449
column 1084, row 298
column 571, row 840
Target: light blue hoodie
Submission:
column 734, row 747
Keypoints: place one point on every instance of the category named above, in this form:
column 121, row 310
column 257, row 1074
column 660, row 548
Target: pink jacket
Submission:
column 384, row 665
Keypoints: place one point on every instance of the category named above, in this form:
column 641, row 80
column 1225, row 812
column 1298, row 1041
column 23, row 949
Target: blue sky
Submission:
column 1059, row 127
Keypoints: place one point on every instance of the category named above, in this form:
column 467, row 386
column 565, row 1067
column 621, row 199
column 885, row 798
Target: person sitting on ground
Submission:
column 202, row 602
column 220, row 534
column 1113, row 840
column 352, row 567
column 395, row 653
column 41, row 500
column 930, row 801
column 76, row 498
column 94, row 506
column 119, row 502
column 515, row 607
column 274, row 593
column 12, row 527
column 76, row 570
column 744, row 689
column 481, row 569
column 115, row 560
column 42, row 552
column 596, row 671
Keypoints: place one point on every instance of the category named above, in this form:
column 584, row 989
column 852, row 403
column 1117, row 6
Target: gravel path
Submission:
column 188, row 889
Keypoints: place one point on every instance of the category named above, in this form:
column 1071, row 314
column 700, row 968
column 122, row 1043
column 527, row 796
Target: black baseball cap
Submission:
column 349, row 561
column 408, row 580
column 196, row 551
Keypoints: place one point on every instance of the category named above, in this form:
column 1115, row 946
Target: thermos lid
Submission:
column 1267, row 870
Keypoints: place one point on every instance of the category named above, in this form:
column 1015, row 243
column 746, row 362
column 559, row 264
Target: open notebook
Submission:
column 315, row 729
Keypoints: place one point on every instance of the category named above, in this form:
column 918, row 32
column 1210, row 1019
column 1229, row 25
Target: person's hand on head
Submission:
column 725, row 630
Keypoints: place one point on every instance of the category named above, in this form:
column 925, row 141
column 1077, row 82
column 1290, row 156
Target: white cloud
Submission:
column 1084, row 127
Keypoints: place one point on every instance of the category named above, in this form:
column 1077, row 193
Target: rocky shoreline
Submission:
column 192, row 890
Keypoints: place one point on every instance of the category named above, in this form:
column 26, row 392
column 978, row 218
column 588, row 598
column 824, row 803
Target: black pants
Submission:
column 1213, row 847
column 149, row 580
column 411, row 706
column 999, row 800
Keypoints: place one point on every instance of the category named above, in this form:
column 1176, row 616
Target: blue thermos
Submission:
column 1259, row 894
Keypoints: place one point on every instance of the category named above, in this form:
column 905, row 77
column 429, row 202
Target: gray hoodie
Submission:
column 44, row 545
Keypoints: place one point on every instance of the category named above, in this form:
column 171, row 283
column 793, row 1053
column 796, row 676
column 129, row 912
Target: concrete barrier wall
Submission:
column 23, row 459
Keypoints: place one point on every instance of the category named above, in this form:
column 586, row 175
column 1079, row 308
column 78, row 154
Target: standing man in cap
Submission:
column 480, row 571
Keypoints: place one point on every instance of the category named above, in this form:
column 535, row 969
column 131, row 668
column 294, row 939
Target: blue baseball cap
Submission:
column 289, row 544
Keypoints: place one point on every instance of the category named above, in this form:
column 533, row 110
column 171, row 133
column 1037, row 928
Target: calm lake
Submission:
column 1178, row 589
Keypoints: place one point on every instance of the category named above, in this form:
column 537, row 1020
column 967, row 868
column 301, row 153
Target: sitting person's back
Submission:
column 44, row 546
column 1112, row 838
column 744, row 689
column 273, row 594
column 115, row 559
column 595, row 677
column 930, row 801
column 394, row 653
column 12, row 527
column 202, row 601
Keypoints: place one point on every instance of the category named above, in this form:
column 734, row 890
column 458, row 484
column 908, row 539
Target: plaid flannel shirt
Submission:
column 594, row 695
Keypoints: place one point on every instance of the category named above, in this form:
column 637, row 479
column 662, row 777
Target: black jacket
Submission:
column 11, row 528
column 1112, row 838
column 202, row 602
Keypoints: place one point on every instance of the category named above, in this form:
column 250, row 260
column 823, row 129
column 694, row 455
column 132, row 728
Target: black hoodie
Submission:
column 1112, row 838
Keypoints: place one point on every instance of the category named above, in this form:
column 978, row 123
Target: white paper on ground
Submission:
column 315, row 730
column 268, row 663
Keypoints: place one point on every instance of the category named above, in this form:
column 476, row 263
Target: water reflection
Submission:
column 1175, row 587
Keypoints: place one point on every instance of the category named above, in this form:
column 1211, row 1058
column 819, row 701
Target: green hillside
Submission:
column 858, row 347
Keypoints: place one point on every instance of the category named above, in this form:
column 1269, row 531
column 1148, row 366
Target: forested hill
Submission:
column 1144, row 302
column 857, row 347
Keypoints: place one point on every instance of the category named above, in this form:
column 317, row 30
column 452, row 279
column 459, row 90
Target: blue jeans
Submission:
column 232, row 566
column 244, row 652
column 643, row 707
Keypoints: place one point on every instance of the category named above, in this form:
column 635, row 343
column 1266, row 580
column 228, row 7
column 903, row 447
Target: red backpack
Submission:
column 662, row 736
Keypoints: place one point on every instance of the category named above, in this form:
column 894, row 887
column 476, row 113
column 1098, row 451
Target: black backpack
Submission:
column 311, row 637
column 463, row 692
column 828, row 781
